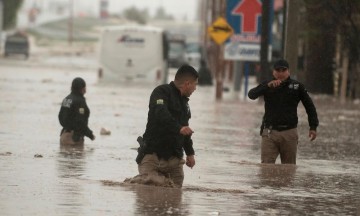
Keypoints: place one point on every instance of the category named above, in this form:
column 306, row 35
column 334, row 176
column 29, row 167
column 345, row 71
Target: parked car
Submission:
column 17, row 43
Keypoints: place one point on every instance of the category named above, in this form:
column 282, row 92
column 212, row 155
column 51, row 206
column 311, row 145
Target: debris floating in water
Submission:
column 103, row 131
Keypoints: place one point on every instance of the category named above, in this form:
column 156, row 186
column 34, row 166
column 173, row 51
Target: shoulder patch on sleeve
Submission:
column 160, row 101
column 81, row 110
column 66, row 103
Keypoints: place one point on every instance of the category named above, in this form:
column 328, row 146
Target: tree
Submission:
column 10, row 9
column 348, row 18
column 134, row 14
column 325, row 20
column 320, row 48
column 160, row 14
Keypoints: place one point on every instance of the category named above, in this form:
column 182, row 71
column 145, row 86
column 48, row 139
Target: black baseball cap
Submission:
column 282, row 63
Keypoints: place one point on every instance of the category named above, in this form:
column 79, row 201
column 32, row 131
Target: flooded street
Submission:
column 40, row 178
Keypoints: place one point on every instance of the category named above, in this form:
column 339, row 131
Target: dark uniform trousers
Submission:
column 66, row 139
column 276, row 142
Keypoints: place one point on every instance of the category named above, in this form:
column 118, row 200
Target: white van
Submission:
column 133, row 54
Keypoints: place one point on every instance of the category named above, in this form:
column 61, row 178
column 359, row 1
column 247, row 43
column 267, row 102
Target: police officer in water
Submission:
column 168, row 134
column 74, row 114
column 279, row 127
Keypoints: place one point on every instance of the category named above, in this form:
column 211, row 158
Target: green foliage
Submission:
column 10, row 8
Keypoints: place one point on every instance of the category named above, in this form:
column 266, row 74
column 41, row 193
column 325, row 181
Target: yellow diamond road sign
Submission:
column 220, row 31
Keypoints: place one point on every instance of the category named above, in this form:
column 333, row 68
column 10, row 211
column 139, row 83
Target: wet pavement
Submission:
column 40, row 178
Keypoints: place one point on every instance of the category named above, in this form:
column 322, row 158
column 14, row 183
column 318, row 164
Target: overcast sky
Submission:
column 178, row 8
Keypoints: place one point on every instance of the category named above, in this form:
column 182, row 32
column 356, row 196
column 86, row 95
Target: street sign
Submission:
column 249, row 12
column 244, row 16
column 220, row 31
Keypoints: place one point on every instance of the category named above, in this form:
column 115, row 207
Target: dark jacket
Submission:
column 281, row 104
column 168, row 112
column 74, row 114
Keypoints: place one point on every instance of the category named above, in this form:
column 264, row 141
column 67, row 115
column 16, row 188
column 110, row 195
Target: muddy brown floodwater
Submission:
column 40, row 178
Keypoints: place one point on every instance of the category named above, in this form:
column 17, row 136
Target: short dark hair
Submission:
column 77, row 84
column 186, row 71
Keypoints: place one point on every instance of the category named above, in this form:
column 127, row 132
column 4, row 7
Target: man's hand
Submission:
column 93, row 137
column 186, row 131
column 312, row 135
column 190, row 161
column 274, row 83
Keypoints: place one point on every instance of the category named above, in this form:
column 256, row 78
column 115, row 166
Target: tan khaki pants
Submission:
column 161, row 170
column 66, row 139
column 279, row 142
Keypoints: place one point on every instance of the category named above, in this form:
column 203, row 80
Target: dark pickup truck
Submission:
column 17, row 43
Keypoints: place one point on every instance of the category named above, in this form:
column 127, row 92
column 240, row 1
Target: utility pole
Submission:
column 71, row 22
column 1, row 23
column 291, row 34
column 220, row 11
column 265, row 36
column 214, row 52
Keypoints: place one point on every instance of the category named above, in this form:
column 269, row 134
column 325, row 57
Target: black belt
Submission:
column 280, row 127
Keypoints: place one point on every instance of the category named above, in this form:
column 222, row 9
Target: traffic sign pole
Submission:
column 220, row 31
column 246, row 86
column 265, row 39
